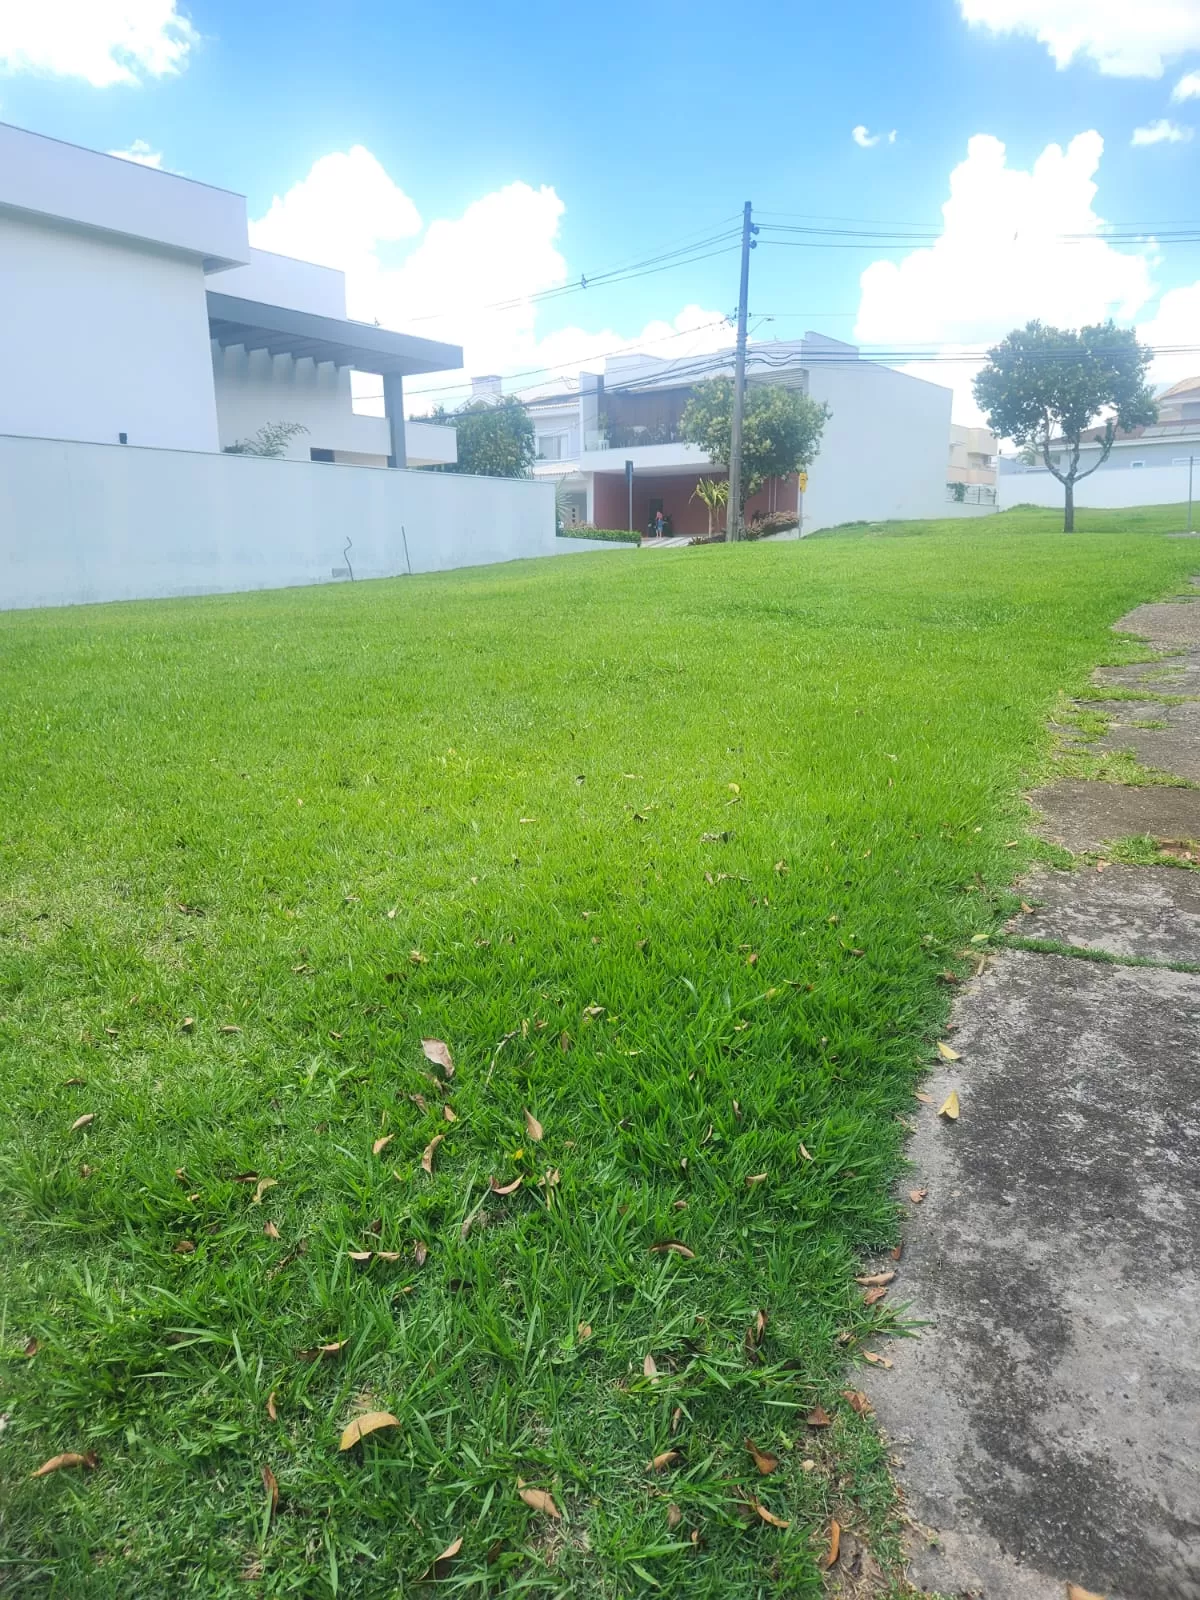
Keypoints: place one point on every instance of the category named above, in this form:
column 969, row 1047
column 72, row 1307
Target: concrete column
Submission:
column 393, row 408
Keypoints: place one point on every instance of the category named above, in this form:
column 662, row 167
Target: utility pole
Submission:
column 733, row 516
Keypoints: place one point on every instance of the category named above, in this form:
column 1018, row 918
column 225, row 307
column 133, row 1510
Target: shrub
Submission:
column 584, row 530
column 958, row 491
column 772, row 522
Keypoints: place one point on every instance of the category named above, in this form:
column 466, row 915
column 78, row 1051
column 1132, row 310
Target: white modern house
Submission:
column 141, row 337
column 883, row 453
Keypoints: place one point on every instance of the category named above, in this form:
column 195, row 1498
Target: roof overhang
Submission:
column 282, row 331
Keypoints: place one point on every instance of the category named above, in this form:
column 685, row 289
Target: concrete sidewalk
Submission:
column 1046, row 1422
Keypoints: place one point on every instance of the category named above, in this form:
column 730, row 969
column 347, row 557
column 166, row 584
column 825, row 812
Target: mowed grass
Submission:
column 671, row 850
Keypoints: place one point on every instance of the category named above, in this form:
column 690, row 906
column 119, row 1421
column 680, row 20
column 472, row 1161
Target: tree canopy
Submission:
column 781, row 429
column 1043, row 387
column 495, row 438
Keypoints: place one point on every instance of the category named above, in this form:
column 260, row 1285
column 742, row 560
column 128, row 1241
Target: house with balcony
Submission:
column 971, row 469
column 137, row 313
column 1172, row 441
column 883, row 453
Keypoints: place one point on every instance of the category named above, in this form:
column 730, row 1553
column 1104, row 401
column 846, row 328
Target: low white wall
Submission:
column 1135, row 486
column 569, row 547
column 84, row 522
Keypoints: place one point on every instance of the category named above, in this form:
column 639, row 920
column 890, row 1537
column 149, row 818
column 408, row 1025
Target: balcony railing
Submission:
column 618, row 436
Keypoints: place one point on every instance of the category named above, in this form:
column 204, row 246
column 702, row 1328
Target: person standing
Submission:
column 659, row 524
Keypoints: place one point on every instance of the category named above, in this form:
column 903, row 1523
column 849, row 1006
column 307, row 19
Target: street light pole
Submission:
column 733, row 517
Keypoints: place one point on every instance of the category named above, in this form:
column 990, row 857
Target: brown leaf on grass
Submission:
column 271, row 1485
column 650, row 1369
column 382, row 1143
column 768, row 1516
column 31, row 1348
column 538, row 1500
column 442, row 1562
column 418, row 958
column 949, row 1107
column 261, row 1188
column 805, row 1153
column 361, row 1258
column 420, row 1252
column 694, row 1536
column 438, row 1051
column 664, row 1459
column 676, row 1419
column 506, row 1188
column 946, row 1053
column 533, row 1127
column 74, row 1083
column 84, row 1121
column 584, row 1330
column 429, row 1152
column 593, row 1012
column 752, row 959
column 185, row 1247
column 272, row 1411
column 391, row 1256
column 917, row 1195
column 564, row 1041
column 874, row 1296
column 1026, row 907
column 818, row 1417
column 187, row 1024
column 271, row 1231
column 873, row 1278
column 876, row 1360
column 70, row 1458
column 755, row 1177
column 857, row 1401
column 898, row 1251
column 449, row 1114
column 323, row 1352
column 243, row 1177
column 229, row 1027
column 674, row 1517
column 370, row 1422
column 764, row 1460
column 672, row 1247
column 835, row 1545
column 421, row 1103
column 1074, row 1592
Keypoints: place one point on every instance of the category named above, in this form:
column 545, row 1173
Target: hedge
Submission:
column 581, row 530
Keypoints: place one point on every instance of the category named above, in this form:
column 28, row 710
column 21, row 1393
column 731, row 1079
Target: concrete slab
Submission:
column 1149, row 913
column 1167, row 675
column 1125, row 711
column 1174, row 749
column 1048, row 1418
column 1087, row 816
column 1169, row 622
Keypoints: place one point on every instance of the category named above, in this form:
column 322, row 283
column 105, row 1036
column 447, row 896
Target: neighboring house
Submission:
column 883, row 454
column 972, row 455
column 137, row 313
column 1169, row 442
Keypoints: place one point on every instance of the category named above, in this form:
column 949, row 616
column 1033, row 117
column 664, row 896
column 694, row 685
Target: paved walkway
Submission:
column 1046, row 1423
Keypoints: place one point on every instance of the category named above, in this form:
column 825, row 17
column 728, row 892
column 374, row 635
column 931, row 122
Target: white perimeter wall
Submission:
column 82, row 522
column 103, row 337
column 1137, row 486
column 884, row 450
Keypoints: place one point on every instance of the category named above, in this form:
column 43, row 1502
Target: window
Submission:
column 550, row 446
column 315, row 454
column 1137, row 463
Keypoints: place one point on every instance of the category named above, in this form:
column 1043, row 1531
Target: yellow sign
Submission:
column 803, row 482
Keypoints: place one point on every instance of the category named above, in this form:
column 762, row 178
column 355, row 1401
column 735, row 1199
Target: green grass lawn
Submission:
column 672, row 850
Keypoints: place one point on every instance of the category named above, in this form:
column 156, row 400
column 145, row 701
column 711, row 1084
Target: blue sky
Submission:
column 499, row 151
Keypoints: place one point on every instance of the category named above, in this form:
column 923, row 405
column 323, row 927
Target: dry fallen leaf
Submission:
column 261, row 1188
column 437, row 1051
column 874, row 1278
column 876, row 1360
column 32, row 1347
column 1074, row 1592
column 650, row 1369
column 857, row 1401
column 229, row 1027
column 382, row 1143
column 430, row 1149
column 946, row 1053
column 874, row 1296
column 818, row 1417
column 323, row 1352
column 672, row 1247
column 949, row 1107
column 272, row 1412
column 584, row 1330
column 663, row 1460
column 271, row 1231
column 676, row 1419
column 805, row 1153
column 674, row 1517
column 271, row 1485
column 450, row 1115
column 361, row 1258
column 925, row 1099
column 755, row 1177
column 440, row 1563
column 917, row 1195
column 538, row 1500
column 70, row 1459
column 420, row 1102
column 769, row 1516
column 370, row 1422
column 506, row 1188
column 87, row 1118
column 835, row 1544
column 564, row 1041
column 187, row 1024
column 533, row 1127
column 764, row 1460
column 185, row 1247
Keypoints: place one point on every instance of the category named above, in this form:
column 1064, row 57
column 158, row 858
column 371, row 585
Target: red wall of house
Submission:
column 611, row 503
column 688, row 516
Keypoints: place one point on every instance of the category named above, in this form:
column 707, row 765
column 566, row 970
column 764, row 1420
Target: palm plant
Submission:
column 713, row 493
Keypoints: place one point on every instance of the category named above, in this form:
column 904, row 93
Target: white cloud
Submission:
column 1123, row 40
column 867, row 140
column 469, row 280
column 1015, row 245
column 1161, row 132
column 1176, row 322
column 103, row 42
column 1188, row 87
column 140, row 153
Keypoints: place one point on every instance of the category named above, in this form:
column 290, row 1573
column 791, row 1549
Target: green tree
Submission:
column 1046, row 385
column 495, row 438
column 781, row 431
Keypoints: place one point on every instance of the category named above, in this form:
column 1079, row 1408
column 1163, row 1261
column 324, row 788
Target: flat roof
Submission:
column 282, row 331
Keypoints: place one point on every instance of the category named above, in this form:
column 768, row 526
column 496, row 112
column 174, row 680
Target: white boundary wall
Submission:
column 87, row 522
column 1115, row 488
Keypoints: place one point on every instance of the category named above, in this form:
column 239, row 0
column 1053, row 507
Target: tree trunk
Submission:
column 1069, row 511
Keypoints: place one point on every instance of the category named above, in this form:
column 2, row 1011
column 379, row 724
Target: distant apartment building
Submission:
column 883, row 454
column 972, row 455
